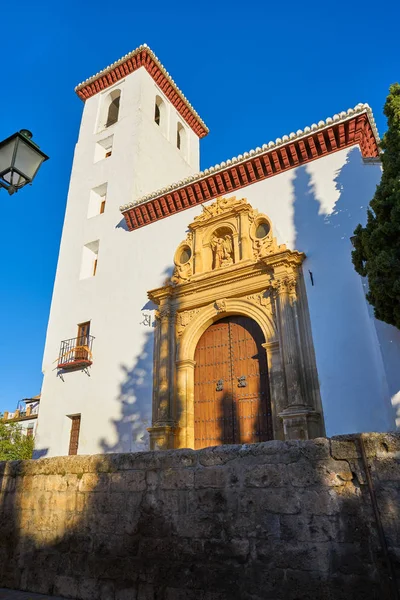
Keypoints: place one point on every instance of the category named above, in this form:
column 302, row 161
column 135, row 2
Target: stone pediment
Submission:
column 228, row 233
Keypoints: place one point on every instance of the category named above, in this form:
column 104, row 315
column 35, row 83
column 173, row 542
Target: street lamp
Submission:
column 20, row 159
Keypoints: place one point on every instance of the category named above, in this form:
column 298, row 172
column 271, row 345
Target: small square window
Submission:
column 97, row 200
column 90, row 254
column 104, row 148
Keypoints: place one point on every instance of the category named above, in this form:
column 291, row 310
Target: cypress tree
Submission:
column 376, row 252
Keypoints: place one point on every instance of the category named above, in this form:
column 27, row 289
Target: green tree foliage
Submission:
column 377, row 245
column 14, row 445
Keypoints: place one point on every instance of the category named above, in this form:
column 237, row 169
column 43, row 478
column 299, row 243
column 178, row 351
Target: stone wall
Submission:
column 278, row 520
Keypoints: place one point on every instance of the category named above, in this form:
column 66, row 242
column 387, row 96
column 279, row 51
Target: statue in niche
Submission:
column 222, row 251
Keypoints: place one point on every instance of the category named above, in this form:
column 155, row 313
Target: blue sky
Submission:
column 254, row 71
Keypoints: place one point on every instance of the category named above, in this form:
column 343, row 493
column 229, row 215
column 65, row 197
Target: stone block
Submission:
column 128, row 481
column 197, row 525
column 351, row 559
column 273, row 500
column 107, row 590
column 66, row 586
column 266, row 475
column 212, row 500
column 88, row 482
column 319, row 501
column 145, row 592
column 305, row 556
column 212, row 477
column 328, row 472
column 218, row 455
column 343, row 448
column 128, row 593
column 177, row 459
column 233, row 548
column 386, row 469
column 256, row 524
column 152, row 479
column 183, row 594
column 307, row 528
column 177, row 479
column 88, row 589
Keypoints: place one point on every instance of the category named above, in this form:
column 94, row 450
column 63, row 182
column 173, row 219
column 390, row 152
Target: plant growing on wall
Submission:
column 377, row 245
column 14, row 445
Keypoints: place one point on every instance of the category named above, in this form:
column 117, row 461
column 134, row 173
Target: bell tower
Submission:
column 138, row 133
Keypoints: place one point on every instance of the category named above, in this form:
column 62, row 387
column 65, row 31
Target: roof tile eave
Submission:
column 279, row 142
column 143, row 47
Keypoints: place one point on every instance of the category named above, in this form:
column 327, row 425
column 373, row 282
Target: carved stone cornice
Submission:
column 218, row 209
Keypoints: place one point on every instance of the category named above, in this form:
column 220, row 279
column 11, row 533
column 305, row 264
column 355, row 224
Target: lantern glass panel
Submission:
column 6, row 154
column 28, row 159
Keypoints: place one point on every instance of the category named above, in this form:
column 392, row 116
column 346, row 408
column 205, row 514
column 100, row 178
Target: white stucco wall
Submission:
column 313, row 209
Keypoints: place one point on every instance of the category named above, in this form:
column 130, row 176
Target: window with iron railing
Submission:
column 77, row 352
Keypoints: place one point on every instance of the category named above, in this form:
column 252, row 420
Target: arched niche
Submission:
column 109, row 110
column 160, row 114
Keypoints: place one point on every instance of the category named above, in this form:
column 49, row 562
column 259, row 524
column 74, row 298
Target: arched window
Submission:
column 110, row 109
column 113, row 110
column 181, row 139
column 160, row 116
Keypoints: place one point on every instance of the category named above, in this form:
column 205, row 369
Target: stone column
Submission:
column 245, row 245
column 197, row 249
column 236, row 252
column 184, row 402
column 162, row 430
column 299, row 419
column 277, row 387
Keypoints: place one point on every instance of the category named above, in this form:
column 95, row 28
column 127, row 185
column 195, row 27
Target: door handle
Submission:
column 220, row 385
column 242, row 381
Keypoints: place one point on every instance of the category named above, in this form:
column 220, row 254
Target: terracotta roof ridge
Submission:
column 286, row 139
column 123, row 59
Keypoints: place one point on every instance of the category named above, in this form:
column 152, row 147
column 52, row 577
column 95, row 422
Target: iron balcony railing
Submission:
column 76, row 353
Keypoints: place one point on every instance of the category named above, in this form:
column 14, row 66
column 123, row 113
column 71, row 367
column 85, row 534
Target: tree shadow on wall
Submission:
column 135, row 398
column 344, row 340
column 136, row 390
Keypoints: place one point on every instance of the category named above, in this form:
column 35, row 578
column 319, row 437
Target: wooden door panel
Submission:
column 212, row 365
column 231, row 351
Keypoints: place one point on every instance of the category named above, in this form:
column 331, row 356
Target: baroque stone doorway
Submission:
column 231, row 264
column 231, row 391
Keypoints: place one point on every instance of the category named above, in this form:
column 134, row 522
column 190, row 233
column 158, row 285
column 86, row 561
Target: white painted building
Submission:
column 26, row 415
column 138, row 149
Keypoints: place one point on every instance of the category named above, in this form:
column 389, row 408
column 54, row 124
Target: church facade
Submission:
column 196, row 308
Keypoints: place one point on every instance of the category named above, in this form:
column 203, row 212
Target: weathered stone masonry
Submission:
column 278, row 520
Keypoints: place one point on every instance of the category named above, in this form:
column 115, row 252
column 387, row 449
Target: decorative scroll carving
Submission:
column 221, row 205
column 265, row 299
column 181, row 273
column 183, row 261
column 286, row 285
column 163, row 410
column 220, row 305
column 183, row 319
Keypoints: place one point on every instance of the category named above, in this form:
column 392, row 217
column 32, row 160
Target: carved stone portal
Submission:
column 229, row 264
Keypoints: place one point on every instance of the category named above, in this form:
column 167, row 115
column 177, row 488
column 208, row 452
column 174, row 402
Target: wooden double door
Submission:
column 231, row 391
